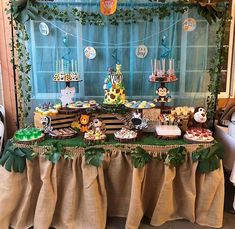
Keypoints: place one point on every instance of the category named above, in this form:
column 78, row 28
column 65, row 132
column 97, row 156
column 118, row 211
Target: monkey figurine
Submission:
column 163, row 95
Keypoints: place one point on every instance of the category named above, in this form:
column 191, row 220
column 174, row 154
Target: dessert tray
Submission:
column 140, row 105
column 78, row 105
column 48, row 109
column 83, row 104
column 168, row 132
column 29, row 136
column 124, row 135
column 62, row 133
column 163, row 79
column 198, row 135
column 92, row 136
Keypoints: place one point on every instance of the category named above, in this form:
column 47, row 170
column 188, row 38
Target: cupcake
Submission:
column 92, row 103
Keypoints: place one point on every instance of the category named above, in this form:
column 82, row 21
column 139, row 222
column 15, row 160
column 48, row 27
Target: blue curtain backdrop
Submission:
column 192, row 52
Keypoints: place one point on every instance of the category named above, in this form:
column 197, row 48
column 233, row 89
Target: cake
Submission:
column 168, row 130
column 114, row 88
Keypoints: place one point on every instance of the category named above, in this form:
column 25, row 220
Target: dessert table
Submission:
column 73, row 194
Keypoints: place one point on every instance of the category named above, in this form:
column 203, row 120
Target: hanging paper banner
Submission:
column 43, row 28
column 189, row 24
column 108, row 7
column 90, row 52
column 141, row 51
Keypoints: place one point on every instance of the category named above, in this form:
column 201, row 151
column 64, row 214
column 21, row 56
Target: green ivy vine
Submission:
column 216, row 67
column 14, row 157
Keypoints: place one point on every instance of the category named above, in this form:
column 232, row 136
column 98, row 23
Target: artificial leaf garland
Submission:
column 208, row 158
column 23, row 10
column 14, row 157
column 215, row 69
column 55, row 153
column 140, row 157
column 176, row 157
column 94, row 156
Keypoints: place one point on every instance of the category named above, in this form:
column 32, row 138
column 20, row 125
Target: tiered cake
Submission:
column 114, row 88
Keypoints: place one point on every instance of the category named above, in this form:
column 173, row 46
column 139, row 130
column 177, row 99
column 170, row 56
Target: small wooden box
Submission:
column 57, row 121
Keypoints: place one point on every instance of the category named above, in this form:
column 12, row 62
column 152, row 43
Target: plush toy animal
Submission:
column 97, row 126
column 198, row 118
column 84, row 121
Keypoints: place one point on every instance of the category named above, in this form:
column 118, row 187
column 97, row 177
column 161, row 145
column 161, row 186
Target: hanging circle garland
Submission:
column 44, row 29
column 90, row 52
column 141, row 51
column 189, row 24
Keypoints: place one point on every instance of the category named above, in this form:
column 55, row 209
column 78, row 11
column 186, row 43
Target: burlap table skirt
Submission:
column 74, row 195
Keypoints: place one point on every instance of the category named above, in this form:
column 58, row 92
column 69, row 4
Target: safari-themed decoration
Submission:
column 197, row 127
column 198, row 118
column 96, row 131
column 163, row 95
column 46, row 122
column 44, row 29
column 67, row 95
column 141, row 51
column 189, row 24
column 138, row 122
column 66, row 71
column 108, row 7
column 90, row 52
column 114, row 88
column 163, row 75
column 84, row 122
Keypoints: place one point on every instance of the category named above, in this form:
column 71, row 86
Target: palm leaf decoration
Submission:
column 209, row 158
column 176, row 156
column 94, row 156
column 140, row 157
column 14, row 158
column 23, row 10
column 55, row 153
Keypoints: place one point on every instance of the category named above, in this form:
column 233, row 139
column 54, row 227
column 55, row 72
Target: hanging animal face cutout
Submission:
column 200, row 115
column 66, row 95
column 162, row 91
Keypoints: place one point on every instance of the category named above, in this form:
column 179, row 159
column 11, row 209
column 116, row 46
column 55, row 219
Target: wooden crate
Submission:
column 112, row 122
column 57, row 121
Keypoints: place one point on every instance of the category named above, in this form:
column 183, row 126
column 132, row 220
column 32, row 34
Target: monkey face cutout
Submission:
column 162, row 91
